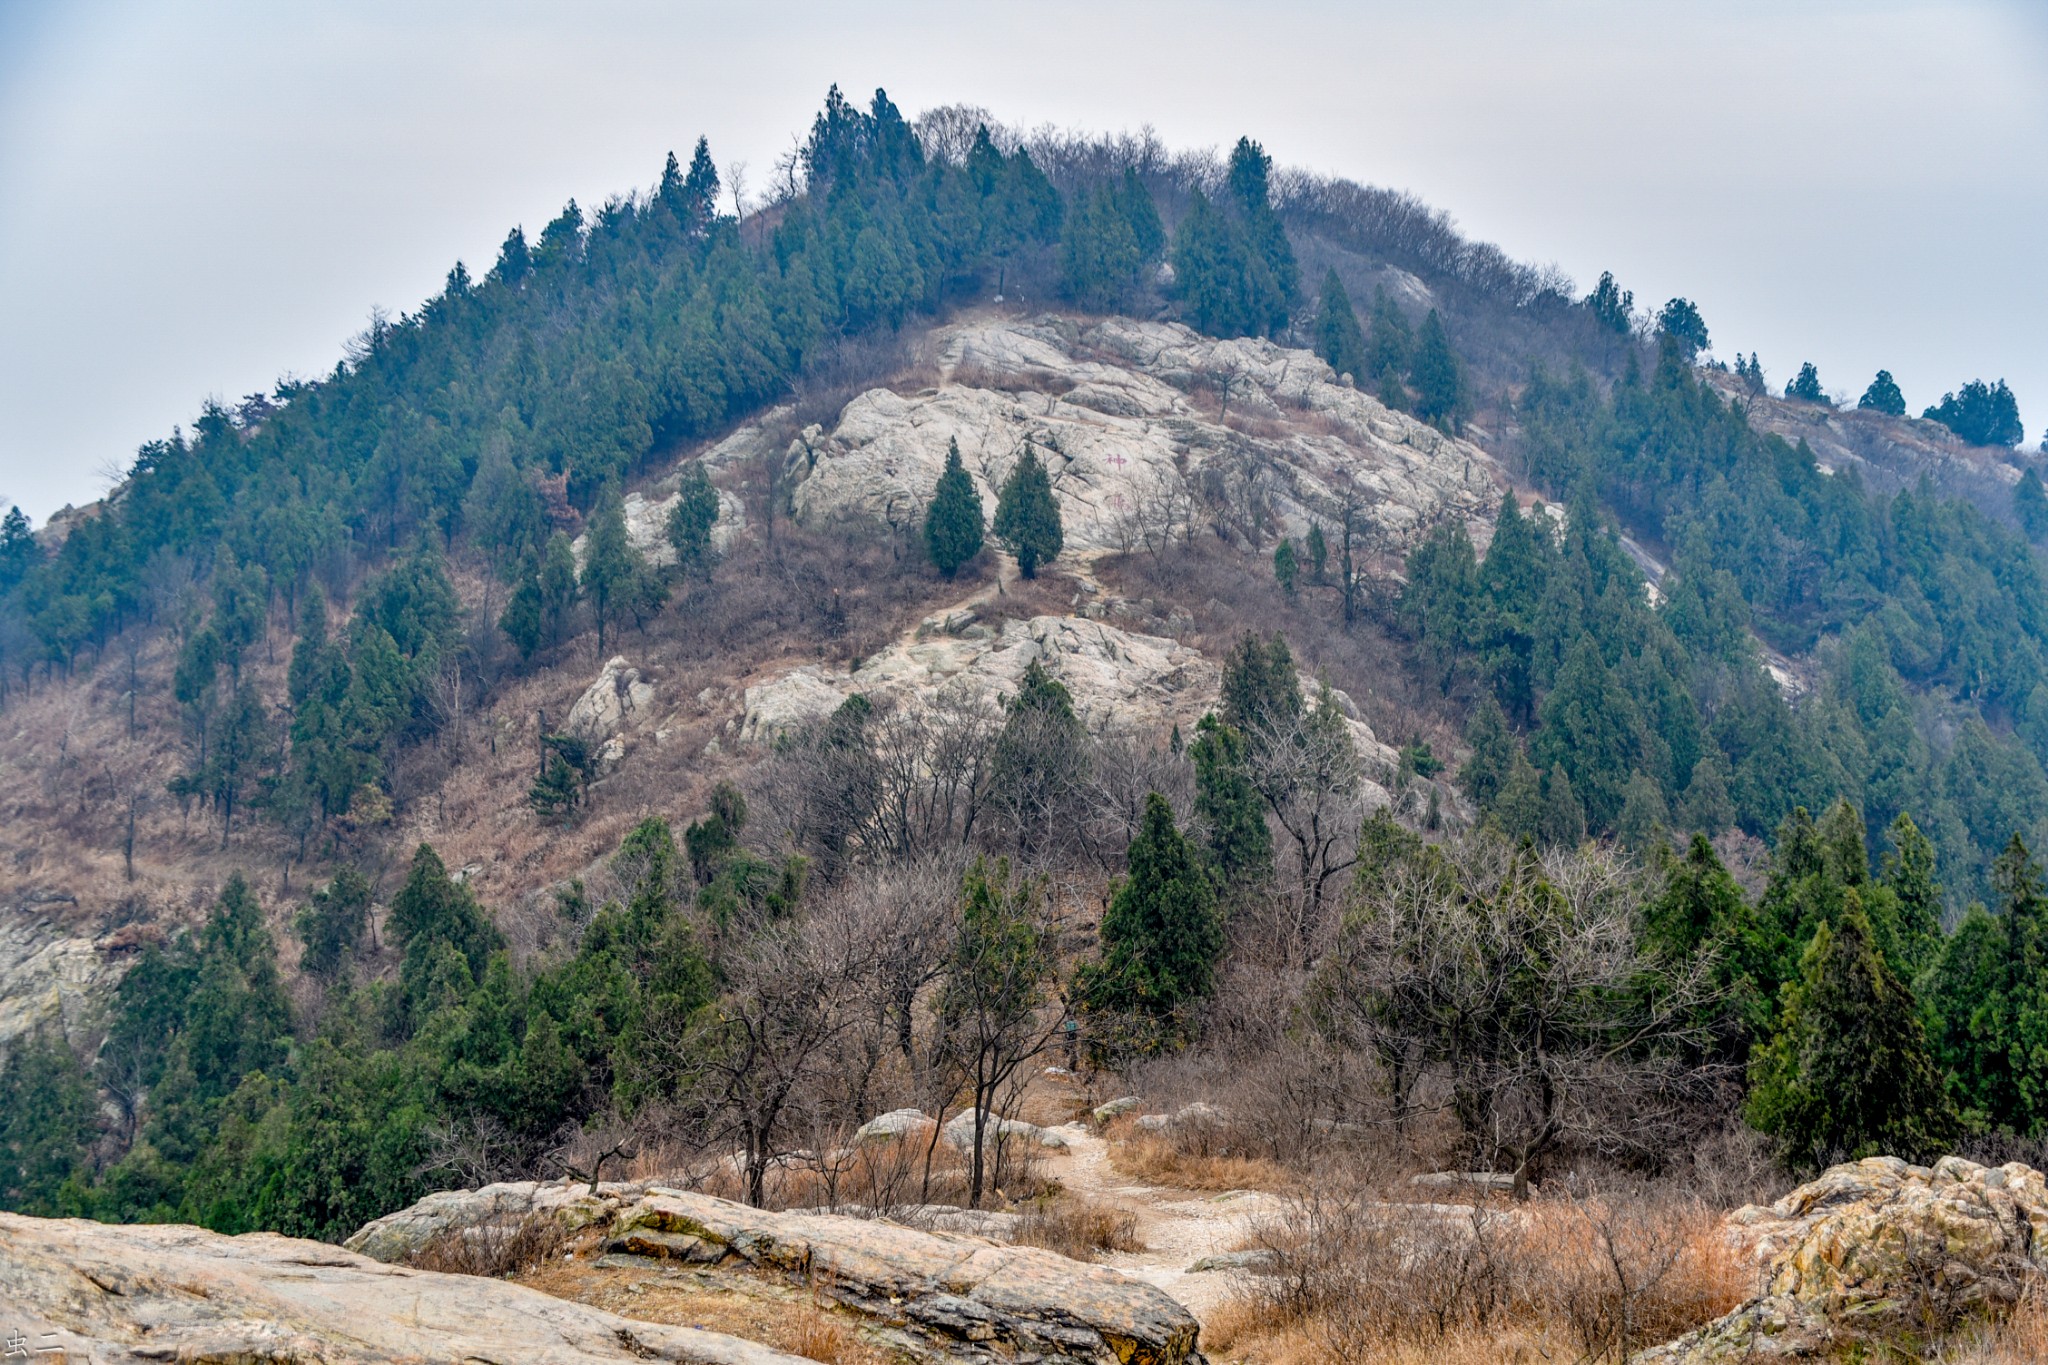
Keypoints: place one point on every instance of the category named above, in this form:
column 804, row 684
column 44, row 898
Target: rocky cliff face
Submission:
column 1136, row 421
column 1890, row 453
column 87, row 1291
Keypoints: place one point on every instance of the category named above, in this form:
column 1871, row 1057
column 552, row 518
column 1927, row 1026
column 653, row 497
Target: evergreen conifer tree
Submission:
column 558, row 590
column 1240, row 844
column 691, row 520
column 1028, row 516
column 522, row 619
column 1388, row 350
column 1494, row 750
column 1161, row 934
column 1438, row 378
column 1562, row 821
column 953, row 521
column 2030, row 506
column 1318, row 554
column 1286, row 565
column 1339, row 339
column 1847, row 1073
column 612, row 567
column 1611, row 305
column 1805, row 386
column 1883, row 396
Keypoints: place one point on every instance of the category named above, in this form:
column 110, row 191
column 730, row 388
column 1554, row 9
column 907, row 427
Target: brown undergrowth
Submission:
column 1590, row 1278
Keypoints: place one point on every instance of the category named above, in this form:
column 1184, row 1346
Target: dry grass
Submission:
column 1592, row 1279
column 1160, row 1160
column 1079, row 1229
column 794, row 1321
column 494, row 1251
column 2021, row 1339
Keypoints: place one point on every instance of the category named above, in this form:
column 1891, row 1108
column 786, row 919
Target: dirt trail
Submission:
column 1178, row 1227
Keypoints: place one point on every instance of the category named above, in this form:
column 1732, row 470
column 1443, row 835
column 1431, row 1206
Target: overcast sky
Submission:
column 196, row 198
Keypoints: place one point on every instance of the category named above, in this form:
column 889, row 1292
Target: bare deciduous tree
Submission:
column 1517, row 982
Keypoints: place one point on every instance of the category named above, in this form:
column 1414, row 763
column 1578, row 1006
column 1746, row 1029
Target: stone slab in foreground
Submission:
column 946, row 1288
column 117, row 1295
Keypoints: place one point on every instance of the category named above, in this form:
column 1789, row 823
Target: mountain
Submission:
column 402, row 764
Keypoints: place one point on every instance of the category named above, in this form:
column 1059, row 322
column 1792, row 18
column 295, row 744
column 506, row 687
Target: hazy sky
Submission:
column 196, row 198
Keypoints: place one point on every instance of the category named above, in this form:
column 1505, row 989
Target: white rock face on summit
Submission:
column 1130, row 418
column 1117, row 678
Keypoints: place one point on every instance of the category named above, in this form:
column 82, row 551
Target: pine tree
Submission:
column 1339, row 339
column 1286, row 565
column 558, row 590
column 1318, row 554
column 1805, row 386
column 953, row 521
column 1229, row 805
column 558, row 788
column 1161, row 934
column 612, row 567
column 1438, row 378
column 332, row 925
column 1981, row 414
column 2030, row 506
column 1261, row 691
column 1099, row 253
column 1388, row 350
column 523, row 620
column 1494, row 750
column 1562, row 821
column 1611, row 305
column 1643, row 814
column 1680, row 323
column 1518, row 807
column 1847, row 1074
column 1883, row 396
column 1028, row 516
column 691, row 520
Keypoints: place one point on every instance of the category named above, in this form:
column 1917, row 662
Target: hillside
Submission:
column 703, row 684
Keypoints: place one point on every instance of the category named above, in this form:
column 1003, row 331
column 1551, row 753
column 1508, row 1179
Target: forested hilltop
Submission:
column 369, row 910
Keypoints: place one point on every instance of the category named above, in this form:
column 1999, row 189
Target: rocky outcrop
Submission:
column 616, row 698
column 956, row 1295
column 959, row 1133
column 51, row 969
column 1889, row 453
column 1117, row 678
column 503, row 1209
column 77, row 1290
column 1112, row 674
column 1113, row 408
column 1877, row 1251
column 647, row 522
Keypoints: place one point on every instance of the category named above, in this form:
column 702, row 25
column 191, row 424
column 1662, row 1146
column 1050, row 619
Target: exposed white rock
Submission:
column 647, row 522
column 892, row 1125
column 1111, row 408
column 49, row 972
column 959, row 1132
column 617, row 697
column 1116, row 678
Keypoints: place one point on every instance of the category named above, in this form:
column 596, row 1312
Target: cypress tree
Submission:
column 522, row 620
column 1494, row 751
column 1161, row 934
column 1805, row 386
column 1028, row 516
column 2030, row 506
column 1562, row 822
column 1847, row 1073
column 953, row 522
column 1883, row 396
column 690, row 521
column 1318, row 554
column 1388, row 350
column 1438, row 378
column 1286, row 565
column 611, row 564
column 1240, row 844
column 1338, row 337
